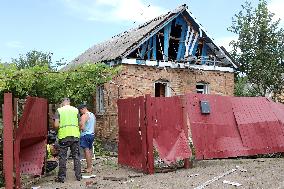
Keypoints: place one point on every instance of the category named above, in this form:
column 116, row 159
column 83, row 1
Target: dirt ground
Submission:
column 250, row 173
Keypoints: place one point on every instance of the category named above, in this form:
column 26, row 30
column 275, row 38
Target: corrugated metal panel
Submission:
column 236, row 126
column 259, row 127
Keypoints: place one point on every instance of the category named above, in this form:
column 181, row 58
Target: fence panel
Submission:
column 169, row 133
column 259, row 127
column 236, row 126
column 131, row 114
column 30, row 138
column 214, row 135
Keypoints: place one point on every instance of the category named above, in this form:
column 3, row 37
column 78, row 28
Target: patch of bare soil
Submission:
column 250, row 173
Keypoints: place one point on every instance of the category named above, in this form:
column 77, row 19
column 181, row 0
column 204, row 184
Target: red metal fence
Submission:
column 214, row 135
column 259, row 127
column 170, row 136
column 132, row 133
column 235, row 126
column 29, row 139
column 145, row 122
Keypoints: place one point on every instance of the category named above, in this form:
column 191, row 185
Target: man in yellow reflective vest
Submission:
column 67, row 123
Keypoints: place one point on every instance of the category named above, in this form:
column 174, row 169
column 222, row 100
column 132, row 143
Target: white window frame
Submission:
column 168, row 91
column 205, row 89
column 100, row 99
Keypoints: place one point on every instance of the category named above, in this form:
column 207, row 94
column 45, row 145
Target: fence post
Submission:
column 143, row 125
column 8, row 141
column 187, row 163
column 149, row 132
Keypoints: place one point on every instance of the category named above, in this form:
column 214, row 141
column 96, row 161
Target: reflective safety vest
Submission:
column 68, row 122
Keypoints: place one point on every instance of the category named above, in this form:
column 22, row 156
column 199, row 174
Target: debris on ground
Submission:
column 231, row 183
column 115, row 178
column 249, row 172
column 88, row 176
column 215, row 179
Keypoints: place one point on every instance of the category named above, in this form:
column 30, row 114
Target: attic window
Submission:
column 202, row 88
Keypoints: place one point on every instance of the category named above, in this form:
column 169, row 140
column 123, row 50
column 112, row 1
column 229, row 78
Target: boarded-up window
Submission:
column 100, row 100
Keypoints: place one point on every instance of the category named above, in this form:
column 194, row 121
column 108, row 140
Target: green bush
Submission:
column 99, row 150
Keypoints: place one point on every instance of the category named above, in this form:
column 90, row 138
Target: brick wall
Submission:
column 137, row 80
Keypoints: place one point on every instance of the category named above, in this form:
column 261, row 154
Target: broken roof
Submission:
column 123, row 44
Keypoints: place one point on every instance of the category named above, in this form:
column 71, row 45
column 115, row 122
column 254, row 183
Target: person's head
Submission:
column 83, row 108
column 65, row 101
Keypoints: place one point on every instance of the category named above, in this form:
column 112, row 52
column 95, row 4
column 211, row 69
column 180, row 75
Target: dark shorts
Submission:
column 87, row 141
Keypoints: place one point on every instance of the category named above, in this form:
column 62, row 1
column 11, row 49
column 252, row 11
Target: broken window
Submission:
column 100, row 99
column 202, row 88
column 162, row 89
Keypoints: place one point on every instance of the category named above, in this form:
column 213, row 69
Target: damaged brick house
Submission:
column 169, row 55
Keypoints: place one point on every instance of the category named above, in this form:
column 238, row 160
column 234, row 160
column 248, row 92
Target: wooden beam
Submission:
column 181, row 48
column 204, row 52
column 173, row 38
column 194, row 45
column 143, row 51
column 167, row 32
column 154, row 47
column 149, row 48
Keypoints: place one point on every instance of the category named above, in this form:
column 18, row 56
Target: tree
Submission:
column 37, row 58
column 33, row 76
column 259, row 48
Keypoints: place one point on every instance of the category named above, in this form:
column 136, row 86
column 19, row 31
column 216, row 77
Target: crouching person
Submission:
column 51, row 161
column 87, row 126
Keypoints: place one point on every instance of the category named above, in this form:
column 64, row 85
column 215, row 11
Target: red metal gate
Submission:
column 170, row 134
column 145, row 122
column 29, row 139
column 132, row 133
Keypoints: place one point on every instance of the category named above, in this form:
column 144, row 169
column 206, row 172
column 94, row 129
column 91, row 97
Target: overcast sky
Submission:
column 69, row 27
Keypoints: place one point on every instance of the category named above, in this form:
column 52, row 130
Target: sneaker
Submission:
column 79, row 178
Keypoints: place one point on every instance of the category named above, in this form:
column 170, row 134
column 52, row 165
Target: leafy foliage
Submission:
column 98, row 148
column 259, row 49
column 32, row 59
column 243, row 87
column 34, row 76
